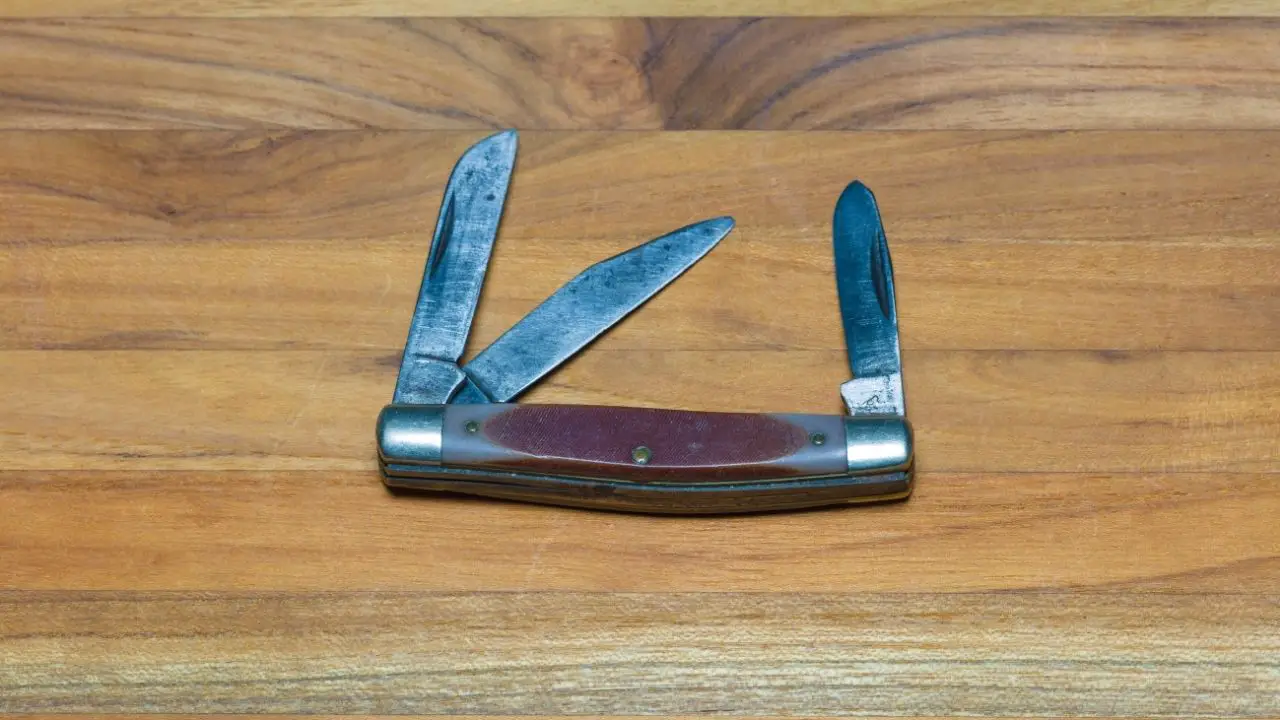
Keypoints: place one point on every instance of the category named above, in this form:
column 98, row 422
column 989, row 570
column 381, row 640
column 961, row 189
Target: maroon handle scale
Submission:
column 645, row 459
column 640, row 444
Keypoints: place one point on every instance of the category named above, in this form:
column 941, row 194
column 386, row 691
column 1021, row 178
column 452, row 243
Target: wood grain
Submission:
column 983, row 74
column 973, row 411
column 74, row 187
column 320, row 716
column 1156, row 293
column 611, row 8
column 636, row 73
column 204, row 240
column 984, row 654
column 390, row 73
column 321, row 531
column 215, row 217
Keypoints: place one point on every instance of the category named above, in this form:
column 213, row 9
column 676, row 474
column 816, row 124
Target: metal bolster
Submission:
column 877, row 444
column 411, row 434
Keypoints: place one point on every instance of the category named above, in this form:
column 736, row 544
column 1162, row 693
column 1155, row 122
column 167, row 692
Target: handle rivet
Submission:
column 641, row 454
column 472, row 427
column 818, row 439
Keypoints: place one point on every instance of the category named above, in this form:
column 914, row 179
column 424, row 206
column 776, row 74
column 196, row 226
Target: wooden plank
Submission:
column 990, row 411
column 200, row 186
column 384, row 73
column 758, row 290
column 610, row 8
column 557, row 653
column 225, row 241
column 636, row 73
column 322, row 531
column 321, row 716
column 931, row 74
column 419, row 716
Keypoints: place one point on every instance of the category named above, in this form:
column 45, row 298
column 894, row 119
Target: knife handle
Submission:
column 646, row 460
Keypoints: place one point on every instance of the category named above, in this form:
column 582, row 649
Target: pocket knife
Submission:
column 454, row 428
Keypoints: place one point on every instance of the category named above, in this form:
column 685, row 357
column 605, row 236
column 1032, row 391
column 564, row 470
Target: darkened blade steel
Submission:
column 465, row 232
column 864, row 279
column 582, row 309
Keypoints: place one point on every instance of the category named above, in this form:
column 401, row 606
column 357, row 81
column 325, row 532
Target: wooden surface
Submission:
column 631, row 8
column 215, row 215
column 899, row 73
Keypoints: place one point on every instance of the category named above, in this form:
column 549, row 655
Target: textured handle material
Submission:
column 645, row 459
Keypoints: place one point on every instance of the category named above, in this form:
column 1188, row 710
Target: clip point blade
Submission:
column 466, row 229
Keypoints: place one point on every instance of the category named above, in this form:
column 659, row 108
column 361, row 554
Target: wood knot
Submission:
column 601, row 82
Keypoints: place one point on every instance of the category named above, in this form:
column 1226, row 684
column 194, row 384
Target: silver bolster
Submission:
column 877, row 444
column 411, row 434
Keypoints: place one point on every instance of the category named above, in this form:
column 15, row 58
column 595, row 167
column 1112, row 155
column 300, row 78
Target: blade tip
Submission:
column 720, row 226
column 504, row 142
column 858, row 189
column 720, row 229
column 857, row 203
column 714, row 228
column 708, row 232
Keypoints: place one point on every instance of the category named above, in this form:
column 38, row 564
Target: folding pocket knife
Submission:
column 453, row 428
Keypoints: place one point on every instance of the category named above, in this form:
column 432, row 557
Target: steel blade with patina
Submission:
column 455, row 269
column 864, row 279
column 582, row 309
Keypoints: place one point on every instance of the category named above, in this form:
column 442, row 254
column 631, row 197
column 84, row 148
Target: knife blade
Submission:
column 868, row 309
column 466, row 229
column 589, row 304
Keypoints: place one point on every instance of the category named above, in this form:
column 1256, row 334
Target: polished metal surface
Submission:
column 584, row 308
column 411, row 434
column 864, row 279
column 877, row 444
column 455, row 269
